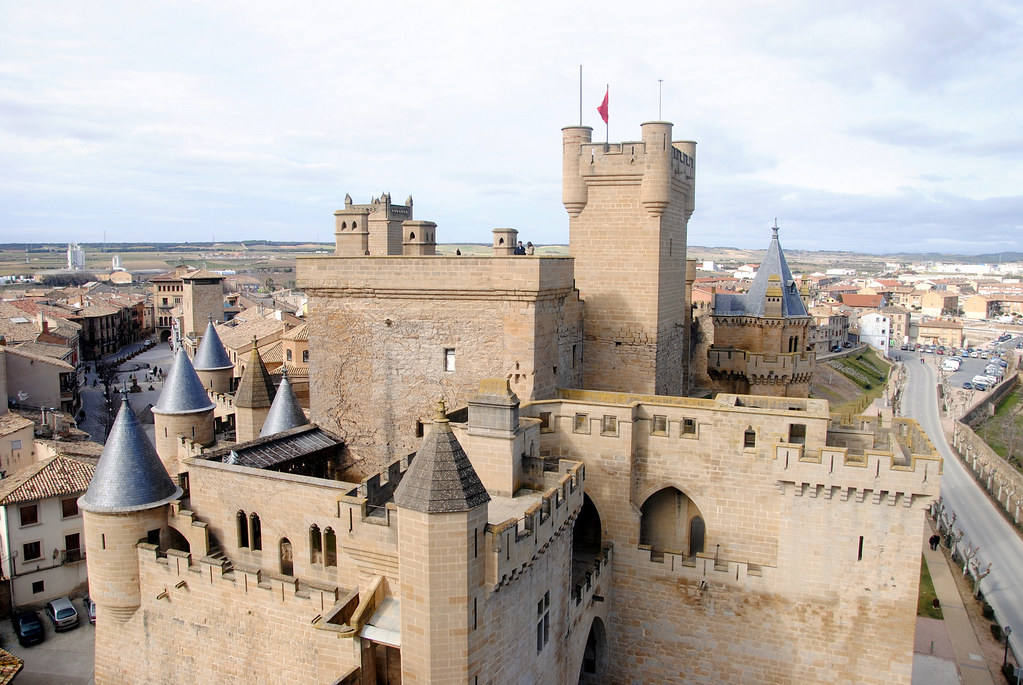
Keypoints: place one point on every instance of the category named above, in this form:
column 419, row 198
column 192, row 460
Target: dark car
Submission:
column 968, row 385
column 62, row 613
column 28, row 627
column 90, row 609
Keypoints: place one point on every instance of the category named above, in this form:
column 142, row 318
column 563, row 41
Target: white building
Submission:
column 42, row 546
column 75, row 257
column 876, row 330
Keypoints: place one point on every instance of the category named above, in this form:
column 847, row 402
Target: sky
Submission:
column 866, row 126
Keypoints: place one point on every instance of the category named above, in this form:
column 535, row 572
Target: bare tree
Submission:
column 969, row 556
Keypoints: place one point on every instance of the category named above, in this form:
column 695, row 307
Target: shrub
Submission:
column 988, row 611
column 996, row 631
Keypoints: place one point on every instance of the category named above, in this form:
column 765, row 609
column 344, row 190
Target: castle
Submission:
column 503, row 481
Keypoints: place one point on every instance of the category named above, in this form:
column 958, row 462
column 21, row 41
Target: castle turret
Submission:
column 183, row 409
column 126, row 503
column 504, row 241
column 420, row 238
column 494, row 437
column 285, row 412
column 442, row 516
column 211, row 362
column 253, row 398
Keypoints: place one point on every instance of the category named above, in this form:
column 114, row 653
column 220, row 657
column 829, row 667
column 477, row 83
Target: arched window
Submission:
column 315, row 545
column 344, row 225
column 243, row 529
column 330, row 547
column 256, row 532
column 354, row 225
column 411, row 235
column 287, row 560
column 663, row 520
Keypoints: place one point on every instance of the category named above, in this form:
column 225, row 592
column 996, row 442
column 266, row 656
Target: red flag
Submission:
column 603, row 106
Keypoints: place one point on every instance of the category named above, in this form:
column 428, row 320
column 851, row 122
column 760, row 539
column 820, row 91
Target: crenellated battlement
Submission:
column 514, row 544
column 621, row 160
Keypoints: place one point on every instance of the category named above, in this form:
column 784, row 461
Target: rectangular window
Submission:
column 575, row 354
column 69, row 507
column 29, row 514
column 305, row 356
column 287, row 354
column 15, row 444
column 543, row 621
column 545, row 422
column 660, row 425
column 797, row 434
column 449, row 359
column 581, row 424
column 609, row 425
column 688, row 426
column 37, row 587
column 32, row 551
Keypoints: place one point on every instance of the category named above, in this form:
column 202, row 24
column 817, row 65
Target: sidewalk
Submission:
column 968, row 655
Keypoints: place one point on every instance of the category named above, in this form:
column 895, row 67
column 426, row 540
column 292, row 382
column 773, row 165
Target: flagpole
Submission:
column 660, row 82
column 580, row 95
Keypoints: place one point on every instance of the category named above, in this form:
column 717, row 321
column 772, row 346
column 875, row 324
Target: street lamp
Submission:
column 1005, row 655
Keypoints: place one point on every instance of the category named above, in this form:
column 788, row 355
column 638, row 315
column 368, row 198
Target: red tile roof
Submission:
column 865, row 301
column 54, row 477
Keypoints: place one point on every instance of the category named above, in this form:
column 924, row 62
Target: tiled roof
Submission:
column 238, row 337
column 273, row 353
column 857, row 300
column 11, row 422
column 298, row 333
column 284, row 413
column 752, row 303
column 211, row 354
column 10, row 666
column 182, row 391
column 40, row 358
column 46, row 350
column 54, row 477
column 440, row 478
column 256, row 388
column 201, row 273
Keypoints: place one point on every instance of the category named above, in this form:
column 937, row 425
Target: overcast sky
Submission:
column 862, row 126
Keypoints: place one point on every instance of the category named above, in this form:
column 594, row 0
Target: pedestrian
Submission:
column 529, row 248
column 520, row 249
column 934, row 541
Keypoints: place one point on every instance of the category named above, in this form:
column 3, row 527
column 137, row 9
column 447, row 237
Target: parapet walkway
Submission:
column 969, row 657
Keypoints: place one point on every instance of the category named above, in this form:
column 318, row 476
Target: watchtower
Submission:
column 183, row 408
column 629, row 206
column 370, row 229
column 202, row 298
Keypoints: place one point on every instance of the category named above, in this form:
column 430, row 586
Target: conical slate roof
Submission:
column 284, row 412
column 752, row 303
column 211, row 355
column 441, row 478
column 182, row 391
column 129, row 475
column 256, row 388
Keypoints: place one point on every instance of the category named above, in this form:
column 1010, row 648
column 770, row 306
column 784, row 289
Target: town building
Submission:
column 875, row 329
column 465, row 507
column 940, row 332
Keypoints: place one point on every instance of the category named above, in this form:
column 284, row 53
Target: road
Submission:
column 982, row 524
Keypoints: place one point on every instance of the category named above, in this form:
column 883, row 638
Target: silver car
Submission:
column 62, row 613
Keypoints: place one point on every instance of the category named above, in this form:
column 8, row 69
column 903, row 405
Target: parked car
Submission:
column 836, row 348
column 968, row 385
column 847, row 344
column 90, row 609
column 28, row 627
column 62, row 613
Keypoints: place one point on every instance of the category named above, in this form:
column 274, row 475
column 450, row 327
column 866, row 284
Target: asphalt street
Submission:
column 981, row 523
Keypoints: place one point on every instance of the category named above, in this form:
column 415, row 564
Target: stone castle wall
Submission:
column 381, row 327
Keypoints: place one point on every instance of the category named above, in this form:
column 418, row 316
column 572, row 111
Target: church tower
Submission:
column 126, row 502
column 442, row 516
column 253, row 398
column 183, row 409
column 211, row 362
column 629, row 206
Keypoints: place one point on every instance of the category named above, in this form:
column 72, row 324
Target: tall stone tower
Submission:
column 370, row 229
column 629, row 205
column 183, row 409
column 126, row 502
column 442, row 514
column 202, row 299
column 211, row 362
column 253, row 398
column 761, row 338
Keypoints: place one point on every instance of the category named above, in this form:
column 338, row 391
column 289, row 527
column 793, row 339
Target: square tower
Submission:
column 203, row 298
column 629, row 204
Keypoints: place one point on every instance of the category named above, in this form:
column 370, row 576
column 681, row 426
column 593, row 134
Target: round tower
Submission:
column 442, row 513
column 211, row 362
column 285, row 412
column 126, row 503
column 184, row 409
column 253, row 398
column 573, row 187
column 655, row 191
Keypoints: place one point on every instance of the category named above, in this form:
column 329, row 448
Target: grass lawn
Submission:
column 866, row 370
column 993, row 430
column 925, row 603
